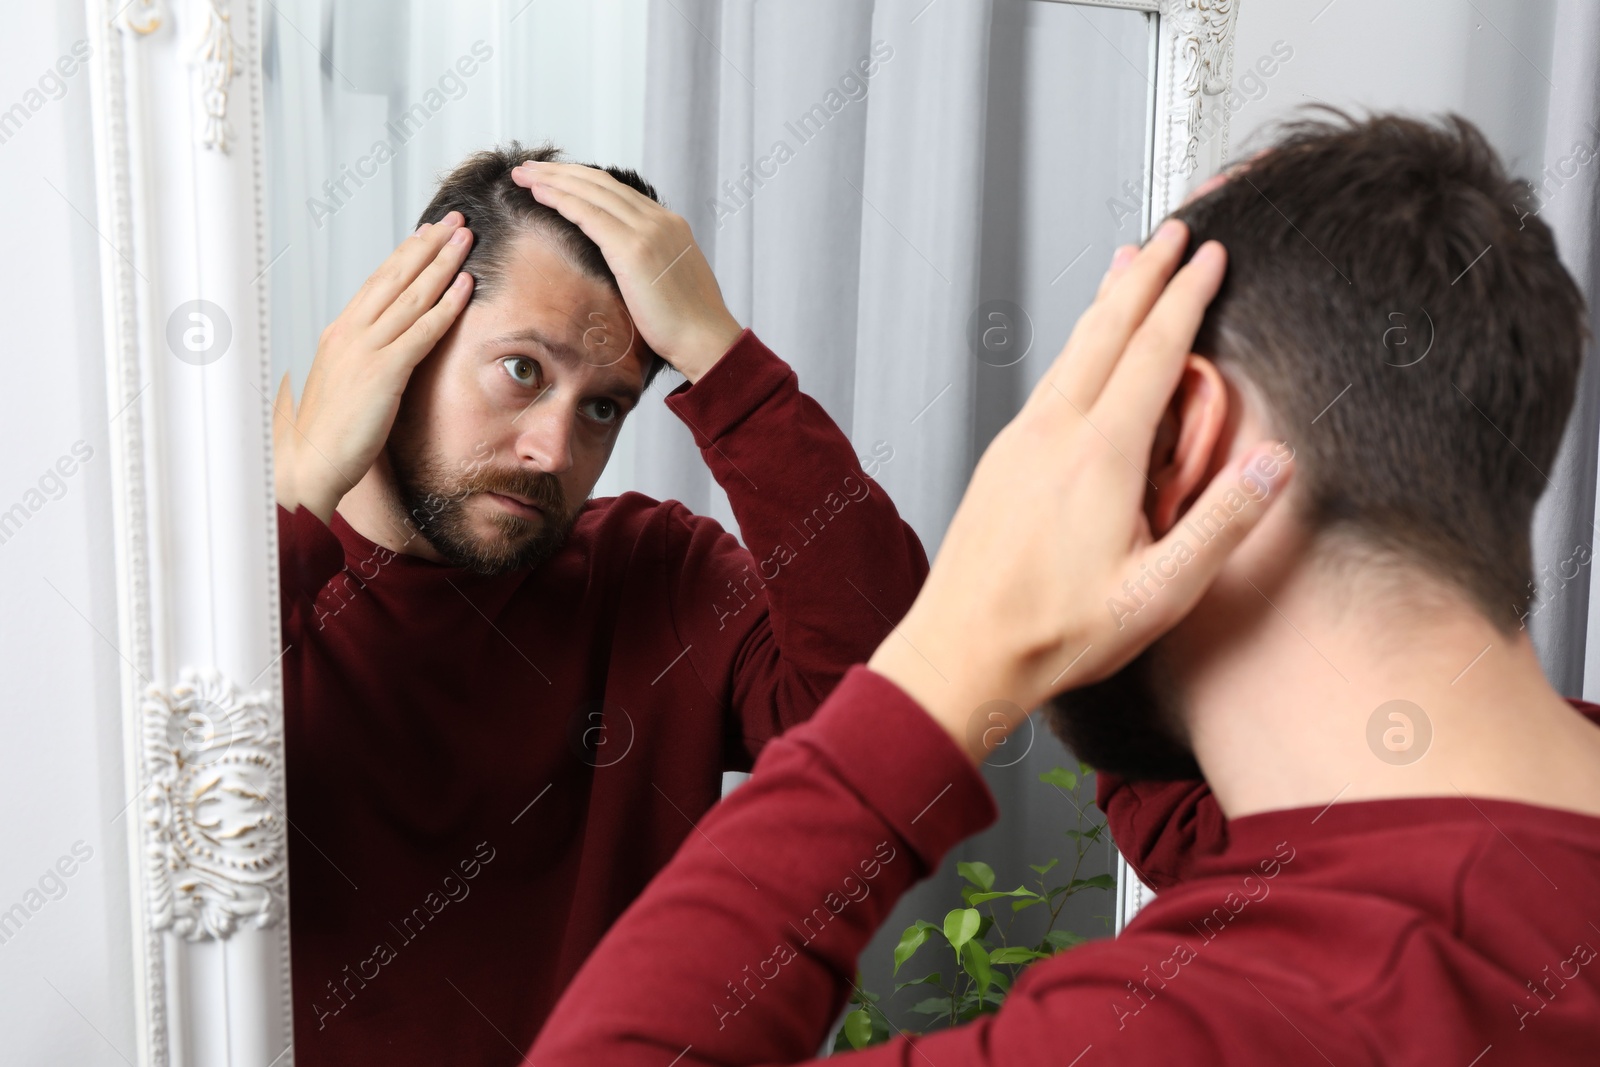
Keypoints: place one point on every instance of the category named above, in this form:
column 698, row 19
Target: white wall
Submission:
column 1486, row 59
column 66, row 989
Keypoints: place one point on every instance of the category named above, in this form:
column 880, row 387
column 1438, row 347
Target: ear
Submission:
column 1186, row 442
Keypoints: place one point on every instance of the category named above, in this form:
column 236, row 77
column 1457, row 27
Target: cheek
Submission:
column 590, row 458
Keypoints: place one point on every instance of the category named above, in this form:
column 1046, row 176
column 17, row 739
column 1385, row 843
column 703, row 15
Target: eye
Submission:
column 523, row 370
column 615, row 410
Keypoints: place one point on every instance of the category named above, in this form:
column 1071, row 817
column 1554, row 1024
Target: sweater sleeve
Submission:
column 309, row 556
column 828, row 566
column 1161, row 827
column 742, row 949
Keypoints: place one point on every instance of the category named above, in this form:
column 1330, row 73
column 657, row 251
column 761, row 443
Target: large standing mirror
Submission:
column 436, row 783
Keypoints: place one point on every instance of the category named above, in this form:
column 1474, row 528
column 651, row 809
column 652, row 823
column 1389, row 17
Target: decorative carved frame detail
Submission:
column 183, row 278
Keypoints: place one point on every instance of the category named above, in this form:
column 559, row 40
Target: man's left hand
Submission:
column 664, row 278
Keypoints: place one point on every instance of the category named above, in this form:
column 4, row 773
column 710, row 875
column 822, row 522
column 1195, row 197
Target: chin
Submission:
column 1128, row 724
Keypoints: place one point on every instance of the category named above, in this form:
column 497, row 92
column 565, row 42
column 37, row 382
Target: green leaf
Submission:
column 1062, row 939
column 1099, row 881
column 975, row 961
column 979, row 874
column 931, row 979
column 934, row 1006
column 1062, row 779
column 1015, row 954
column 1046, row 868
column 1018, row 905
column 910, row 941
column 858, row 1028
column 983, row 898
column 959, row 927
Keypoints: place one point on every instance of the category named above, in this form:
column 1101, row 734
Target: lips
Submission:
column 516, row 505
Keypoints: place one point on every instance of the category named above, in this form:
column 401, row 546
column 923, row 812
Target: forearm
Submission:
column 741, row 950
column 318, row 492
column 830, row 555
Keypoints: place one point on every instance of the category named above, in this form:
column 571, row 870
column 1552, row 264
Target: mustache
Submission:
column 541, row 487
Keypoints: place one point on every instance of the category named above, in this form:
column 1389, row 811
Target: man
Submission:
column 506, row 703
column 1329, row 892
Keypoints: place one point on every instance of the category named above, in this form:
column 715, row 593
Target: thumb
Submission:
column 1237, row 499
column 282, row 411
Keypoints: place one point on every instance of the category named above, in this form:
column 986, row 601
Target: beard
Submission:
column 433, row 496
column 1127, row 724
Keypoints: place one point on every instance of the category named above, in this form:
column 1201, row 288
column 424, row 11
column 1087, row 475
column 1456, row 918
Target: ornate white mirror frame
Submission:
column 178, row 129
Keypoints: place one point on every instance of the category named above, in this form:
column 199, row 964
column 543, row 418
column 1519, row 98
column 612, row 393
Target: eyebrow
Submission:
column 564, row 354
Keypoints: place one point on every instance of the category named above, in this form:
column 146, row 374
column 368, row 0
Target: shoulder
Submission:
column 631, row 517
column 1163, row 827
column 607, row 516
column 1152, row 989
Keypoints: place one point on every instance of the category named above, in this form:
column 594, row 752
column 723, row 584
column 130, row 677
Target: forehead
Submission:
column 542, row 288
column 546, row 306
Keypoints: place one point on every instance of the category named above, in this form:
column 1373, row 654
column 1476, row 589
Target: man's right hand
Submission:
column 364, row 360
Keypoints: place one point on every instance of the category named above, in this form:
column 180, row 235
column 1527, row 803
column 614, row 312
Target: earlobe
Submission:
column 1186, row 448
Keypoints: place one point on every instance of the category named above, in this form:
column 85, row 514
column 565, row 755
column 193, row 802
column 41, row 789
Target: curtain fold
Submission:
column 369, row 102
column 1564, row 626
column 829, row 157
column 865, row 180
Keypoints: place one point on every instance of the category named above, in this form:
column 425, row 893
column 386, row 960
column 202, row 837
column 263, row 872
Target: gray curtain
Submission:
column 861, row 246
column 963, row 172
column 1564, row 628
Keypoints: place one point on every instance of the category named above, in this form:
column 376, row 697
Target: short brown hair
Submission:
column 1347, row 237
column 498, row 211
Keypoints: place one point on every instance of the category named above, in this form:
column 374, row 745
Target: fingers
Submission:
column 420, row 337
column 1119, row 262
column 602, row 213
column 283, row 403
column 398, row 271
column 1189, row 558
column 625, row 200
column 1102, row 332
column 423, row 292
column 282, row 445
column 1142, row 381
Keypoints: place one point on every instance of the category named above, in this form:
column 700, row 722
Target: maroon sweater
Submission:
column 1437, row 930
column 485, row 771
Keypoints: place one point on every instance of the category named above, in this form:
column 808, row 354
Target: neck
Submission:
column 373, row 510
column 1280, row 713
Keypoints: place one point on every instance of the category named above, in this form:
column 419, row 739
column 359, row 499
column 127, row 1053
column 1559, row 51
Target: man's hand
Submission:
column 364, row 359
column 664, row 278
column 1052, row 523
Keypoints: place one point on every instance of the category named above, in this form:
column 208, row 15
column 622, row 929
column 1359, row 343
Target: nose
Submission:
column 545, row 435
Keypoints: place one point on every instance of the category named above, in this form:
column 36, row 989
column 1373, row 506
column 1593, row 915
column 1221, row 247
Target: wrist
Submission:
column 312, row 493
column 284, row 483
column 964, row 697
column 706, row 347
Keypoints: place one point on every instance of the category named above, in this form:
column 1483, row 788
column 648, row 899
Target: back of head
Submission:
column 1412, row 333
column 498, row 211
